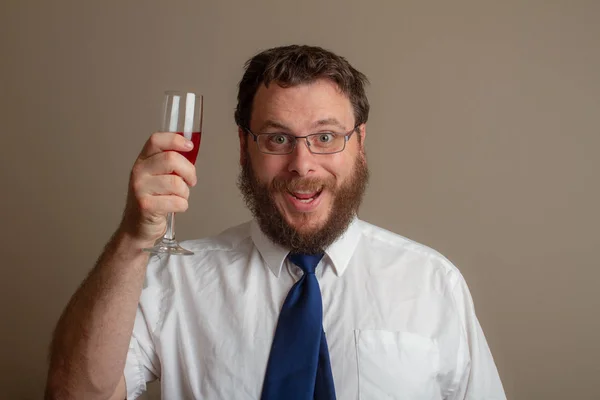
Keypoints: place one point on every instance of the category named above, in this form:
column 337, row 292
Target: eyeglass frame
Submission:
column 346, row 137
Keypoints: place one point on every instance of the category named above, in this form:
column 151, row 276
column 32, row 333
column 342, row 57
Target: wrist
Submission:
column 126, row 243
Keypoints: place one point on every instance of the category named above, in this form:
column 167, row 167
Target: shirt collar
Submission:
column 339, row 252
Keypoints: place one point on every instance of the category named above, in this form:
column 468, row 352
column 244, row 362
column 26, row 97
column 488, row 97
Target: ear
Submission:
column 243, row 145
column 362, row 132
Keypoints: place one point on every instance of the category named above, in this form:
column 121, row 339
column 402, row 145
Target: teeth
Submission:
column 303, row 193
column 307, row 191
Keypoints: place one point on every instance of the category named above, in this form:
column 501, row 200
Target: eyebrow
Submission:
column 274, row 124
column 328, row 122
column 322, row 122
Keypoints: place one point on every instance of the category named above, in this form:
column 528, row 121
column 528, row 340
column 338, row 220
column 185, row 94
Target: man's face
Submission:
column 314, row 195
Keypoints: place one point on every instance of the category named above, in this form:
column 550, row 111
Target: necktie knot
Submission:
column 307, row 262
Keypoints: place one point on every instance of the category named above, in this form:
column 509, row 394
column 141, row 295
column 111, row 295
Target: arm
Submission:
column 479, row 378
column 92, row 336
column 90, row 343
column 121, row 392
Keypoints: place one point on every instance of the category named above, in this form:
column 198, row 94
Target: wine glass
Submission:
column 182, row 115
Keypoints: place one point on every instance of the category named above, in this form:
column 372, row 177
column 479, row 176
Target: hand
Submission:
column 159, row 184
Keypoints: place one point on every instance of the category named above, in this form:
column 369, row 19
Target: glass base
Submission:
column 169, row 247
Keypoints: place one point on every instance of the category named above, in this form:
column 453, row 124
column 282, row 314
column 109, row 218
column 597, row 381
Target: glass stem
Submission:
column 170, row 233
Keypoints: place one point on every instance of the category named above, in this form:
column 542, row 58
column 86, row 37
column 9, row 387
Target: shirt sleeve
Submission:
column 142, row 364
column 477, row 377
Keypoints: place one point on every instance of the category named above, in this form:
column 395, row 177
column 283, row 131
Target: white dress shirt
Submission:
column 398, row 316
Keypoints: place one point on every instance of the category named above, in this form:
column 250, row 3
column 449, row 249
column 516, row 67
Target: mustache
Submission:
column 303, row 184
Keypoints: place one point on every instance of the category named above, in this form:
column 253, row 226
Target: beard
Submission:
column 260, row 199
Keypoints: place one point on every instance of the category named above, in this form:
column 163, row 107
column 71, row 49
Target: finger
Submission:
column 163, row 141
column 161, row 205
column 167, row 162
column 163, row 185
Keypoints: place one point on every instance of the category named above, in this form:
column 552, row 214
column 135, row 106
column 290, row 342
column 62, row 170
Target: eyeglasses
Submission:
column 317, row 143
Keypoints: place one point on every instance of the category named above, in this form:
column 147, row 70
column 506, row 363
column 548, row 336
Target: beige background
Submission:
column 483, row 143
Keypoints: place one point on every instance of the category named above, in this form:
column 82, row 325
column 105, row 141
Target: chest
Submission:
column 384, row 341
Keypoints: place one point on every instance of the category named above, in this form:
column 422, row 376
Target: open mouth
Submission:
column 306, row 196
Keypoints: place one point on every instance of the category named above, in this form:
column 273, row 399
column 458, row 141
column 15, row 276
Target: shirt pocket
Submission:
column 396, row 365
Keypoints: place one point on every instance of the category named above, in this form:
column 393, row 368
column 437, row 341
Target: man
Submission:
column 305, row 301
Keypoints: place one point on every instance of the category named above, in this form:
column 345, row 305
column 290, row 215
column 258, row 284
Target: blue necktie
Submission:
column 299, row 367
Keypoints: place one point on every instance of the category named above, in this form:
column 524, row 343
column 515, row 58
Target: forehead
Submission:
column 301, row 107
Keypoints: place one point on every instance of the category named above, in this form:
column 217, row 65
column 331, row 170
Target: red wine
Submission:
column 192, row 154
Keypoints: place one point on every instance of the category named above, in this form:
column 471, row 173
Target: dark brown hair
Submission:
column 295, row 65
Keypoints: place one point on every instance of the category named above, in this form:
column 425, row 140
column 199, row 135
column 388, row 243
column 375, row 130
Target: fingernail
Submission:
column 189, row 144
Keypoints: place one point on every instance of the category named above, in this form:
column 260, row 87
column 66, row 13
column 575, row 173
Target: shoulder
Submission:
column 209, row 252
column 390, row 246
column 229, row 240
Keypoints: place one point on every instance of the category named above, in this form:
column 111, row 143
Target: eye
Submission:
column 325, row 137
column 279, row 139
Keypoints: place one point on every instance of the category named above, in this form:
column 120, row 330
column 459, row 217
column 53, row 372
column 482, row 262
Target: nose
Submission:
column 302, row 161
